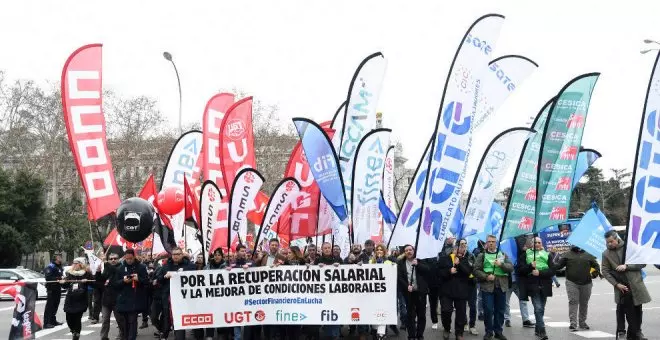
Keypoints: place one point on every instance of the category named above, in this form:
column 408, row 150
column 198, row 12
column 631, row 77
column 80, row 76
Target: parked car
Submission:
column 21, row 274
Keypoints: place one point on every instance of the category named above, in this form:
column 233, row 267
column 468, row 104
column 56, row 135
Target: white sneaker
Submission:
column 473, row 331
column 435, row 326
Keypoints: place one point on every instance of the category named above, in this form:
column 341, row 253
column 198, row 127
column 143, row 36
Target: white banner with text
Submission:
column 344, row 295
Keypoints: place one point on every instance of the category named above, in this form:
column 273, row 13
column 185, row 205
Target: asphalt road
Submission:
column 601, row 317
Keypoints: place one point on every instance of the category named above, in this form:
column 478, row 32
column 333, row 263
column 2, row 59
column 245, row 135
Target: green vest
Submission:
column 489, row 267
column 541, row 259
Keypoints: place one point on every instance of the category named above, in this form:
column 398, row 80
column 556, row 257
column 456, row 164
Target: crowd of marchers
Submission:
column 460, row 285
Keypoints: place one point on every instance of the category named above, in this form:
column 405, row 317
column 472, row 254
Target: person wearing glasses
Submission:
column 176, row 263
column 493, row 268
column 455, row 268
column 109, row 295
column 536, row 265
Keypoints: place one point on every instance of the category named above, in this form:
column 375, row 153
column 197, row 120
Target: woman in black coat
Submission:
column 76, row 281
column 455, row 268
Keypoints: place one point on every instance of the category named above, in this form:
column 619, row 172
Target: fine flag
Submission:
column 82, row 105
column 643, row 241
column 559, row 149
column 367, row 184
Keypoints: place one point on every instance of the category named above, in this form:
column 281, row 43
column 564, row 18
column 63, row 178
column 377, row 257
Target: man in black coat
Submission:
column 109, row 295
column 130, row 281
column 455, row 269
column 53, row 272
column 412, row 283
column 176, row 263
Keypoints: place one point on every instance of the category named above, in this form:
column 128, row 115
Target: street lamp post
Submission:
column 168, row 57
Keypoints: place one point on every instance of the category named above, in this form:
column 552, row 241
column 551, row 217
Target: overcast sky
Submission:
column 301, row 56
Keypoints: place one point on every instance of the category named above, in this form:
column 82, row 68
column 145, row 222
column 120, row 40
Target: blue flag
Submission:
column 589, row 233
column 510, row 248
column 586, row 157
column 323, row 163
column 388, row 215
column 456, row 227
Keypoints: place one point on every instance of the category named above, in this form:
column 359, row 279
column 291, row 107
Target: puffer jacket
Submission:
column 76, row 292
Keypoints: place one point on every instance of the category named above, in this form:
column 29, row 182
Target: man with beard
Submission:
column 176, row 263
column 109, row 296
column 53, row 273
column 492, row 268
column 629, row 289
column 455, row 269
column 412, row 284
column 312, row 255
column 274, row 258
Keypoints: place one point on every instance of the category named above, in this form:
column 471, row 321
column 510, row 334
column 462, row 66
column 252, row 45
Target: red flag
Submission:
column 114, row 239
column 237, row 140
column 302, row 218
column 149, row 193
column 82, row 105
column 191, row 204
column 214, row 113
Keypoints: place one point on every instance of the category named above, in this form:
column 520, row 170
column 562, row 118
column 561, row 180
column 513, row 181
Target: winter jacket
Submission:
column 170, row 266
column 53, row 272
column 76, row 292
column 535, row 284
column 632, row 277
column 482, row 275
column 213, row 265
column 327, row 260
column 456, row 286
column 104, row 279
column 131, row 296
column 421, row 272
column 578, row 265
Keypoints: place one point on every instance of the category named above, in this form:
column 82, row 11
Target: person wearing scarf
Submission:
column 455, row 269
column 76, row 281
column 536, row 266
column 217, row 262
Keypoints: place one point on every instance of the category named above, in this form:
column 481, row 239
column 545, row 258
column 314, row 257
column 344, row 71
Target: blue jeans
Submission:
column 538, row 301
column 494, row 305
column 403, row 311
column 524, row 312
column 237, row 333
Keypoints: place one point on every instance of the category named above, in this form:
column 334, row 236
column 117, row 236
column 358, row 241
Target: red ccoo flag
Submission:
column 82, row 104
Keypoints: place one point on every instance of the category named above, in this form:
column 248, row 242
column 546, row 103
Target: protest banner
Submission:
column 343, row 295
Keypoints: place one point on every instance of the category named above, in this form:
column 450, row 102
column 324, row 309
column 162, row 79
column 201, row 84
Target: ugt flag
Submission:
column 589, row 233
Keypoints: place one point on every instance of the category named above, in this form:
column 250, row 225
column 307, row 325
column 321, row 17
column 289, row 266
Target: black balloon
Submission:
column 135, row 219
